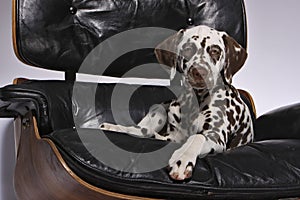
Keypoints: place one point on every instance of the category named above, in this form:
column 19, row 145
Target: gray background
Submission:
column 271, row 73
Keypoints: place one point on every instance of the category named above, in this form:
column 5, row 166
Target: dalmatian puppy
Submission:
column 209, row 115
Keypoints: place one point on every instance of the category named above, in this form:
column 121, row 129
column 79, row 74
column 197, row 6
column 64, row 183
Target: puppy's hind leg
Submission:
column 154, row 121
column 149, row 126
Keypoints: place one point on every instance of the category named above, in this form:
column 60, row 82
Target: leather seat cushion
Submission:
column 264, row 167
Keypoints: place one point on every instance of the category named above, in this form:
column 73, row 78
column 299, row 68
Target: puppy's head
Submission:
column 202, row 54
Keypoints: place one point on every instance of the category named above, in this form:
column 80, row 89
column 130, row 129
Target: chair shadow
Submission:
column 7, row 163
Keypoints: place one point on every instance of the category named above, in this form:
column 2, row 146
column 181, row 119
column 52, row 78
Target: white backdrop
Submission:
column 271, row 73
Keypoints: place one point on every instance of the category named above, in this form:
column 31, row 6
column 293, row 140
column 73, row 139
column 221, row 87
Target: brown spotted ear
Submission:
column 166, row 51
column 236, row 56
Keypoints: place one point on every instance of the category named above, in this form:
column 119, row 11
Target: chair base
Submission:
column 41, row 173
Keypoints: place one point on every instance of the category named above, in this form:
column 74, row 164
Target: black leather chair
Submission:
column 56, row 124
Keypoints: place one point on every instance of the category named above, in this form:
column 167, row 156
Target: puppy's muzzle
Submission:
column 198, row 77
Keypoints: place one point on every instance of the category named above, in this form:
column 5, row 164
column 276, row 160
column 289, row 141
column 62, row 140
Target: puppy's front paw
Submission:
column 182, row 164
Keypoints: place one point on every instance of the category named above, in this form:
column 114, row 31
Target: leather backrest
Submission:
column 59, row 34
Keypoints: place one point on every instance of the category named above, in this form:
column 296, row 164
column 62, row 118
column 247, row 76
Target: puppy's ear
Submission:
column 236, row 56
column 166, row 52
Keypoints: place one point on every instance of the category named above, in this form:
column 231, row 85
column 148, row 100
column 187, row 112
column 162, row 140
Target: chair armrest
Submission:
column 282, row 123
column 5, row 112
column 18, row 100
column 15, row 109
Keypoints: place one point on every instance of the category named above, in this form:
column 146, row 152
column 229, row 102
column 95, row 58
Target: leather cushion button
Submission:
column 73, row 10
column 190, row 21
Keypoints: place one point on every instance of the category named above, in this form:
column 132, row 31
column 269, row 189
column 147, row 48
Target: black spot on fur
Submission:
column 239, row 100
column 172, row 127
column 206, row 126
column 242, row 116
column 227, row 103
column 208, row 112
column 229, row 128
column 177, row 119
column 190, row 164
column 205, row 108
column 195, row 37
column 144, row 131
column 241, row 127
column 206, row 95
column 238, row 109
column 248, row 119
column 175, row 103
column 224, row 135
column 231, row 117
column 233, row 103
column 221, row 142
column 160, row 121
column 235, row 141
column 207, row 49
column 184, row 66
column 245, row 139
column 208, row 120
column 178, row 163
column 203, row 42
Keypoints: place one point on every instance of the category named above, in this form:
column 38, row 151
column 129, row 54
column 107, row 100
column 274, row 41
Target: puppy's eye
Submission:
column 215, row 52
column 188, row 50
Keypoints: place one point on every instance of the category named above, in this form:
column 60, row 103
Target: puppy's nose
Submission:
column 198, row 73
